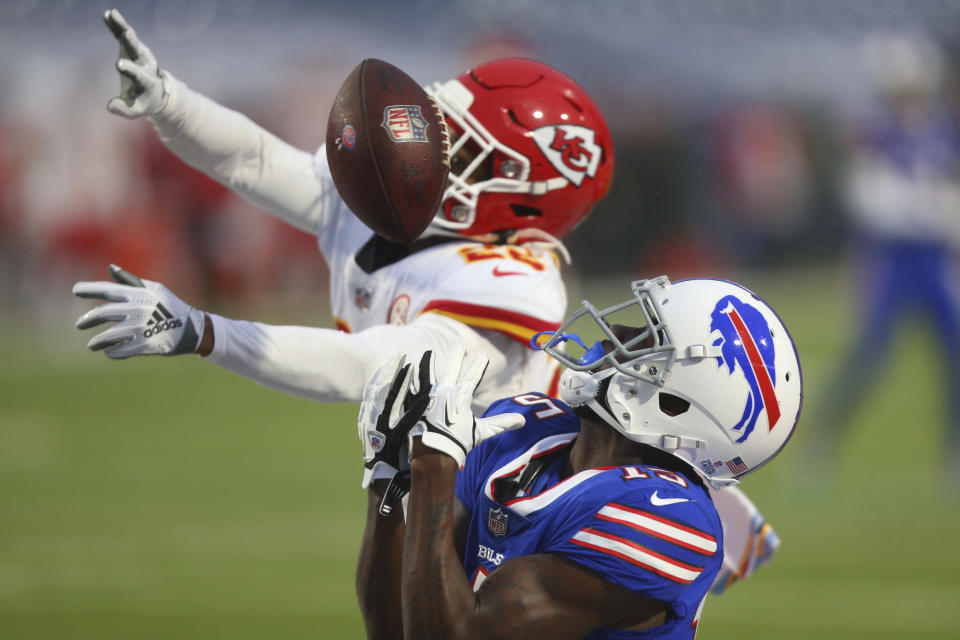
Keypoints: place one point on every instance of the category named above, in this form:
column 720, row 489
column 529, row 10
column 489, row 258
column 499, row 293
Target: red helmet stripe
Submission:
column 759, row 368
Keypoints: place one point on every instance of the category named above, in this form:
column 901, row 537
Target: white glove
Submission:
column 150, row 320
column 142, row 92
column 449, row 425
column 388, row 411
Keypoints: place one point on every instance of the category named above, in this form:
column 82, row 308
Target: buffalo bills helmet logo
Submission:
column 746, row 345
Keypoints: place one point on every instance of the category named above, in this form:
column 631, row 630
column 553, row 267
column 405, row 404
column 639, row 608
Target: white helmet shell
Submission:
column 716, row 381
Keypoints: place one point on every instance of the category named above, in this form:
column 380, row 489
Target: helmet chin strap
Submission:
column 580, row 388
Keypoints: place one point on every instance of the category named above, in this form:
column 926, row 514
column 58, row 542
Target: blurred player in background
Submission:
column 587, row 516
column 903, row 189
column 483, row 278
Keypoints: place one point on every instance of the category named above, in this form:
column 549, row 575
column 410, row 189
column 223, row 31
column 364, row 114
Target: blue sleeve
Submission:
column 504, row 405
column 656, row 551
column 469, row 475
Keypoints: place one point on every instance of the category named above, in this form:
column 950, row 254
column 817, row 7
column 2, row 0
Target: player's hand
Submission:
column 449, row 425
column 390, row 407
column 150, row 320
column 141, row 84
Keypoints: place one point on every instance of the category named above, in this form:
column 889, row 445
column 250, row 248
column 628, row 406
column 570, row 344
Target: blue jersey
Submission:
column 930, row 147
column 644, row 528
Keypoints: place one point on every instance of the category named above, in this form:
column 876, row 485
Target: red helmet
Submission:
column 529, row 149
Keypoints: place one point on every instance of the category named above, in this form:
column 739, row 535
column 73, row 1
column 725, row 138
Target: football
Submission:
column 388, row 149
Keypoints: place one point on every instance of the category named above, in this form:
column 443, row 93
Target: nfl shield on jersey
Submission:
column 648, row 529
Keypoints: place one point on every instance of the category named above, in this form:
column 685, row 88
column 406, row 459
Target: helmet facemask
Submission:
column 472, row 141
column 635, row 342
column 677, row 375
column 647, row 354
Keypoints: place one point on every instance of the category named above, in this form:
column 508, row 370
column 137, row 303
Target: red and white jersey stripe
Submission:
column 637, row 554
column 660, row 527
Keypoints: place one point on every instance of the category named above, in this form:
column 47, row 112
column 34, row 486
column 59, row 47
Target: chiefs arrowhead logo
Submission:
column 571, row 149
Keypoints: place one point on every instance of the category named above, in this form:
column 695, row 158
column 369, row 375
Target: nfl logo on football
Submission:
column 405, row 123
column 497, row 522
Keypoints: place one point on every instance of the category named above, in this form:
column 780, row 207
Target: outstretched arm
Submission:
column 316, row 363
column 235, row 151
column 328, row 365
column 222, row 143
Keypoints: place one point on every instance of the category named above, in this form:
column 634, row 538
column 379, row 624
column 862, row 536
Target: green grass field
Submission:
column 159, row 498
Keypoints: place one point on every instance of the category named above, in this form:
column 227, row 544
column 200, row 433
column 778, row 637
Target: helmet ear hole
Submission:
column 672, row 405
column 522, row 211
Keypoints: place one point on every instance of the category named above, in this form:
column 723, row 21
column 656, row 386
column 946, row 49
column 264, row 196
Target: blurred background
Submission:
column 807, row 149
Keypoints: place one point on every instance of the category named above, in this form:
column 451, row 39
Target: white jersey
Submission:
column 507, row 289
column 505, row 293
column 488, row 299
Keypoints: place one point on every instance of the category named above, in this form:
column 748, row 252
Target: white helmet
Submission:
column 712, row 378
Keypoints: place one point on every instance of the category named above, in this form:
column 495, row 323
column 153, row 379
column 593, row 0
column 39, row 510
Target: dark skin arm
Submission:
column 379, row 568
column 205, row 346
column 534, row 596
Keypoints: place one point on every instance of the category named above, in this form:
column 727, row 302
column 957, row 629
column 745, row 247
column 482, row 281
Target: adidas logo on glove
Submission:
column 161, row 321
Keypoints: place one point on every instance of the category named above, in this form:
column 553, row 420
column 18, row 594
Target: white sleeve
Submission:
column 232, row 149
column 331, row 366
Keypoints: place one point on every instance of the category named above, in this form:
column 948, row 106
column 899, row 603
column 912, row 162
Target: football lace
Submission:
column 444, row 133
